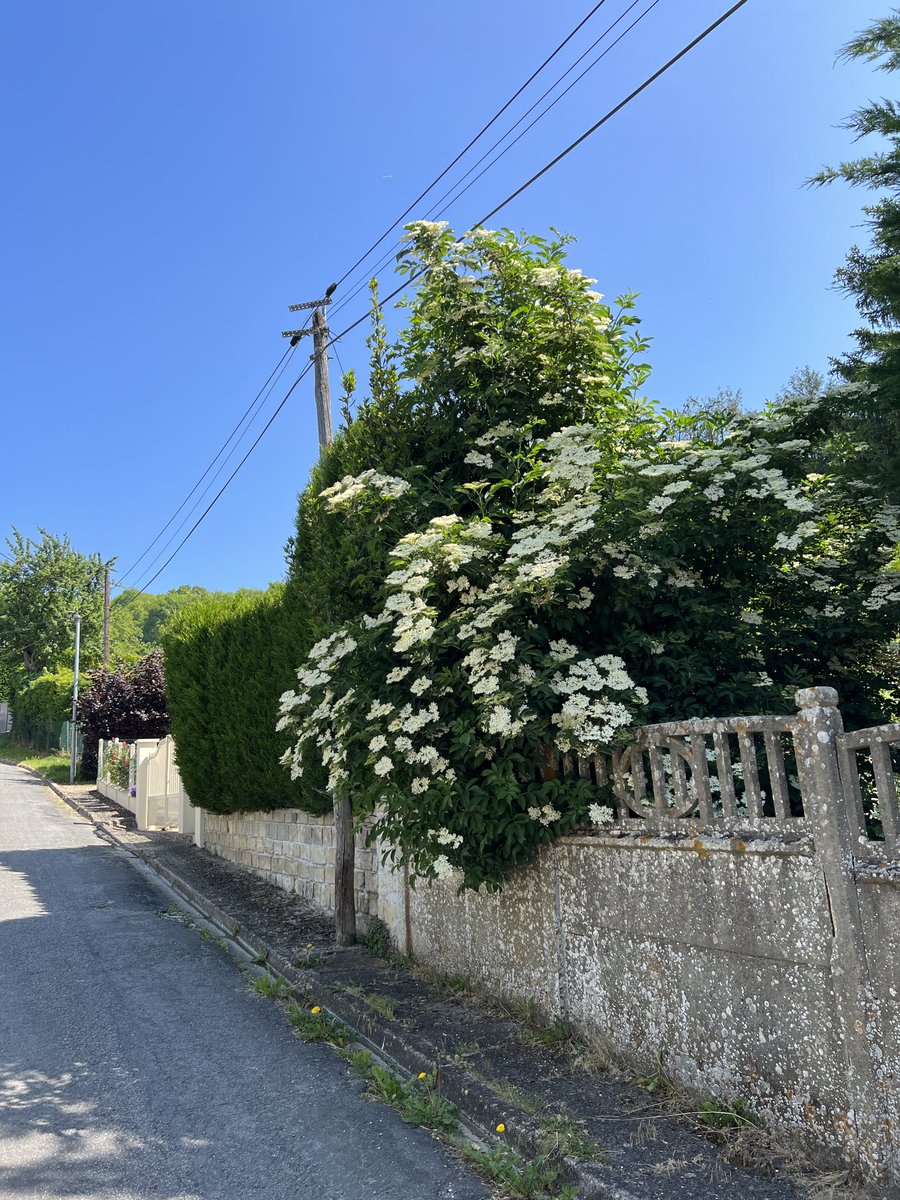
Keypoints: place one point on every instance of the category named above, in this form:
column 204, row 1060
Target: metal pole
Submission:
column 73, row 732
column 106, row 618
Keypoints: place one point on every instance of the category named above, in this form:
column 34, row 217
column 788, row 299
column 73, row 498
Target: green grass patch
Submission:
column 270, row 987
column 418, row 1101
column 515, row 1178
column 562, row 1135
column 383, row 1005
column 719, row 1114
column 316, row 1025
column 49, row 762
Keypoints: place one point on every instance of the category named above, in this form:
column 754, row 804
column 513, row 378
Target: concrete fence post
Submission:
column 818, row 729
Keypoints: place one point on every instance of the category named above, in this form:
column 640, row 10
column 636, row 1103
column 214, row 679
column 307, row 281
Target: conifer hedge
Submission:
column 227, row 661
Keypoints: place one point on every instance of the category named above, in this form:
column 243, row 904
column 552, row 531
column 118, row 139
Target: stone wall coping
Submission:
column 737, row 842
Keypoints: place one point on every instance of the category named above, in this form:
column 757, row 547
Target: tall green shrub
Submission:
column 227, row 662
column 565, row 568
column 41, row 706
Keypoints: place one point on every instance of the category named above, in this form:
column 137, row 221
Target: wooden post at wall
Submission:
column 344, row 842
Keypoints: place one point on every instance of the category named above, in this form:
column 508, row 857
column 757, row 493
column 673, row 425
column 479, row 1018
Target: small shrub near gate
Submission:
column 117, row 765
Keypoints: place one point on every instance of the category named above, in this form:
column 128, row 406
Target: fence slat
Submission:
column 700, row 777
column 778, row 775
column 601, row 769
column 684, row 800
column 725, row 773
column 886, row 786
column 752, row 794
column 853, row 800
column 619, row 789
column 658, row 780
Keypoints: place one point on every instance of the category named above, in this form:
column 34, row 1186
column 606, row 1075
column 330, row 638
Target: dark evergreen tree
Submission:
column 870, row 401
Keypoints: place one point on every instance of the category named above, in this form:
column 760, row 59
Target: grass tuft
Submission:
column 270, row 987
column 516, row 1179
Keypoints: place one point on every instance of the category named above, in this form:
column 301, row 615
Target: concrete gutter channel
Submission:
column 671, row 1164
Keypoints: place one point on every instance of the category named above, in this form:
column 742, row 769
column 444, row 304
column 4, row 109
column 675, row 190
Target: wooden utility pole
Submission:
column 323, row 389
column 106, row 618
column 344, row 841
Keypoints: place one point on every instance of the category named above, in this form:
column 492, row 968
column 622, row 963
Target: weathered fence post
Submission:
column 819, row 726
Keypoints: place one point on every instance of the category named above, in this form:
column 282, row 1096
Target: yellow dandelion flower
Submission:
column 501, row 1128
column 315, row 1011
column 422, row 1075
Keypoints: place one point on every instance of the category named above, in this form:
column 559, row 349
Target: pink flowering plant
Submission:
column 590, row 563
column 117, row 764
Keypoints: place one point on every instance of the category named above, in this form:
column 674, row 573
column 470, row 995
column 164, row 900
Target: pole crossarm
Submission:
column 309, row 304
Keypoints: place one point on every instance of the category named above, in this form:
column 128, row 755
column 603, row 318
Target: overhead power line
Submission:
column 247, row 417
column 224, row 486
column 497, row 115
column 563, row 153
column 493, row 212
column 612, row 112
column 221, row 467
column 437, row 210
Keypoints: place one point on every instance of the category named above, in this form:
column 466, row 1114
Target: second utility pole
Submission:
column 344, row 842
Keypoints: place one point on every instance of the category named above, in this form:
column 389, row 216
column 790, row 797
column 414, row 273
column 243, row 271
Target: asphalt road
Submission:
column 136, row 1063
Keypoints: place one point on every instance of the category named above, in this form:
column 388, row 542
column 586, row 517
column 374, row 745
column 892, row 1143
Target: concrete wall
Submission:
column 294, row 850
column 716, row 952
column 719, row 959
column 764, row 966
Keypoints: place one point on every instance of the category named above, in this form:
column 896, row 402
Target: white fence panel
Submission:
column 156, row 794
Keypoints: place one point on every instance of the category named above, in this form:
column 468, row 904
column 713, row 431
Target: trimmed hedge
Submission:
column 227, row 663
column 41, row 706
column 48, row 695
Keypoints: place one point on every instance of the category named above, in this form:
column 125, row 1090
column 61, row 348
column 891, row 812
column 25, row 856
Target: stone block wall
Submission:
column 294, row 850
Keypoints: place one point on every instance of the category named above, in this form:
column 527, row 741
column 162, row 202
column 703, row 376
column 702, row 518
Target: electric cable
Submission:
column 275, row 370
column 499, row 113
column 416, row 275
column 224, row 486
column 544, row 111
column 564, row 153
column 437, row 211
column 217, row 473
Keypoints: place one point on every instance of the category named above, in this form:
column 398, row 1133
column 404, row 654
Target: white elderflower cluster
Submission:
column 546, row 276
column 601, row 814
column 545, row 815
column 348, row 489
column 443, row 868
column 572, row 457
column 590, row 717
column 444, row 837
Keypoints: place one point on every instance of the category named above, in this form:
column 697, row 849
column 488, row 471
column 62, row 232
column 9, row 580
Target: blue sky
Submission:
column 177, row 174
